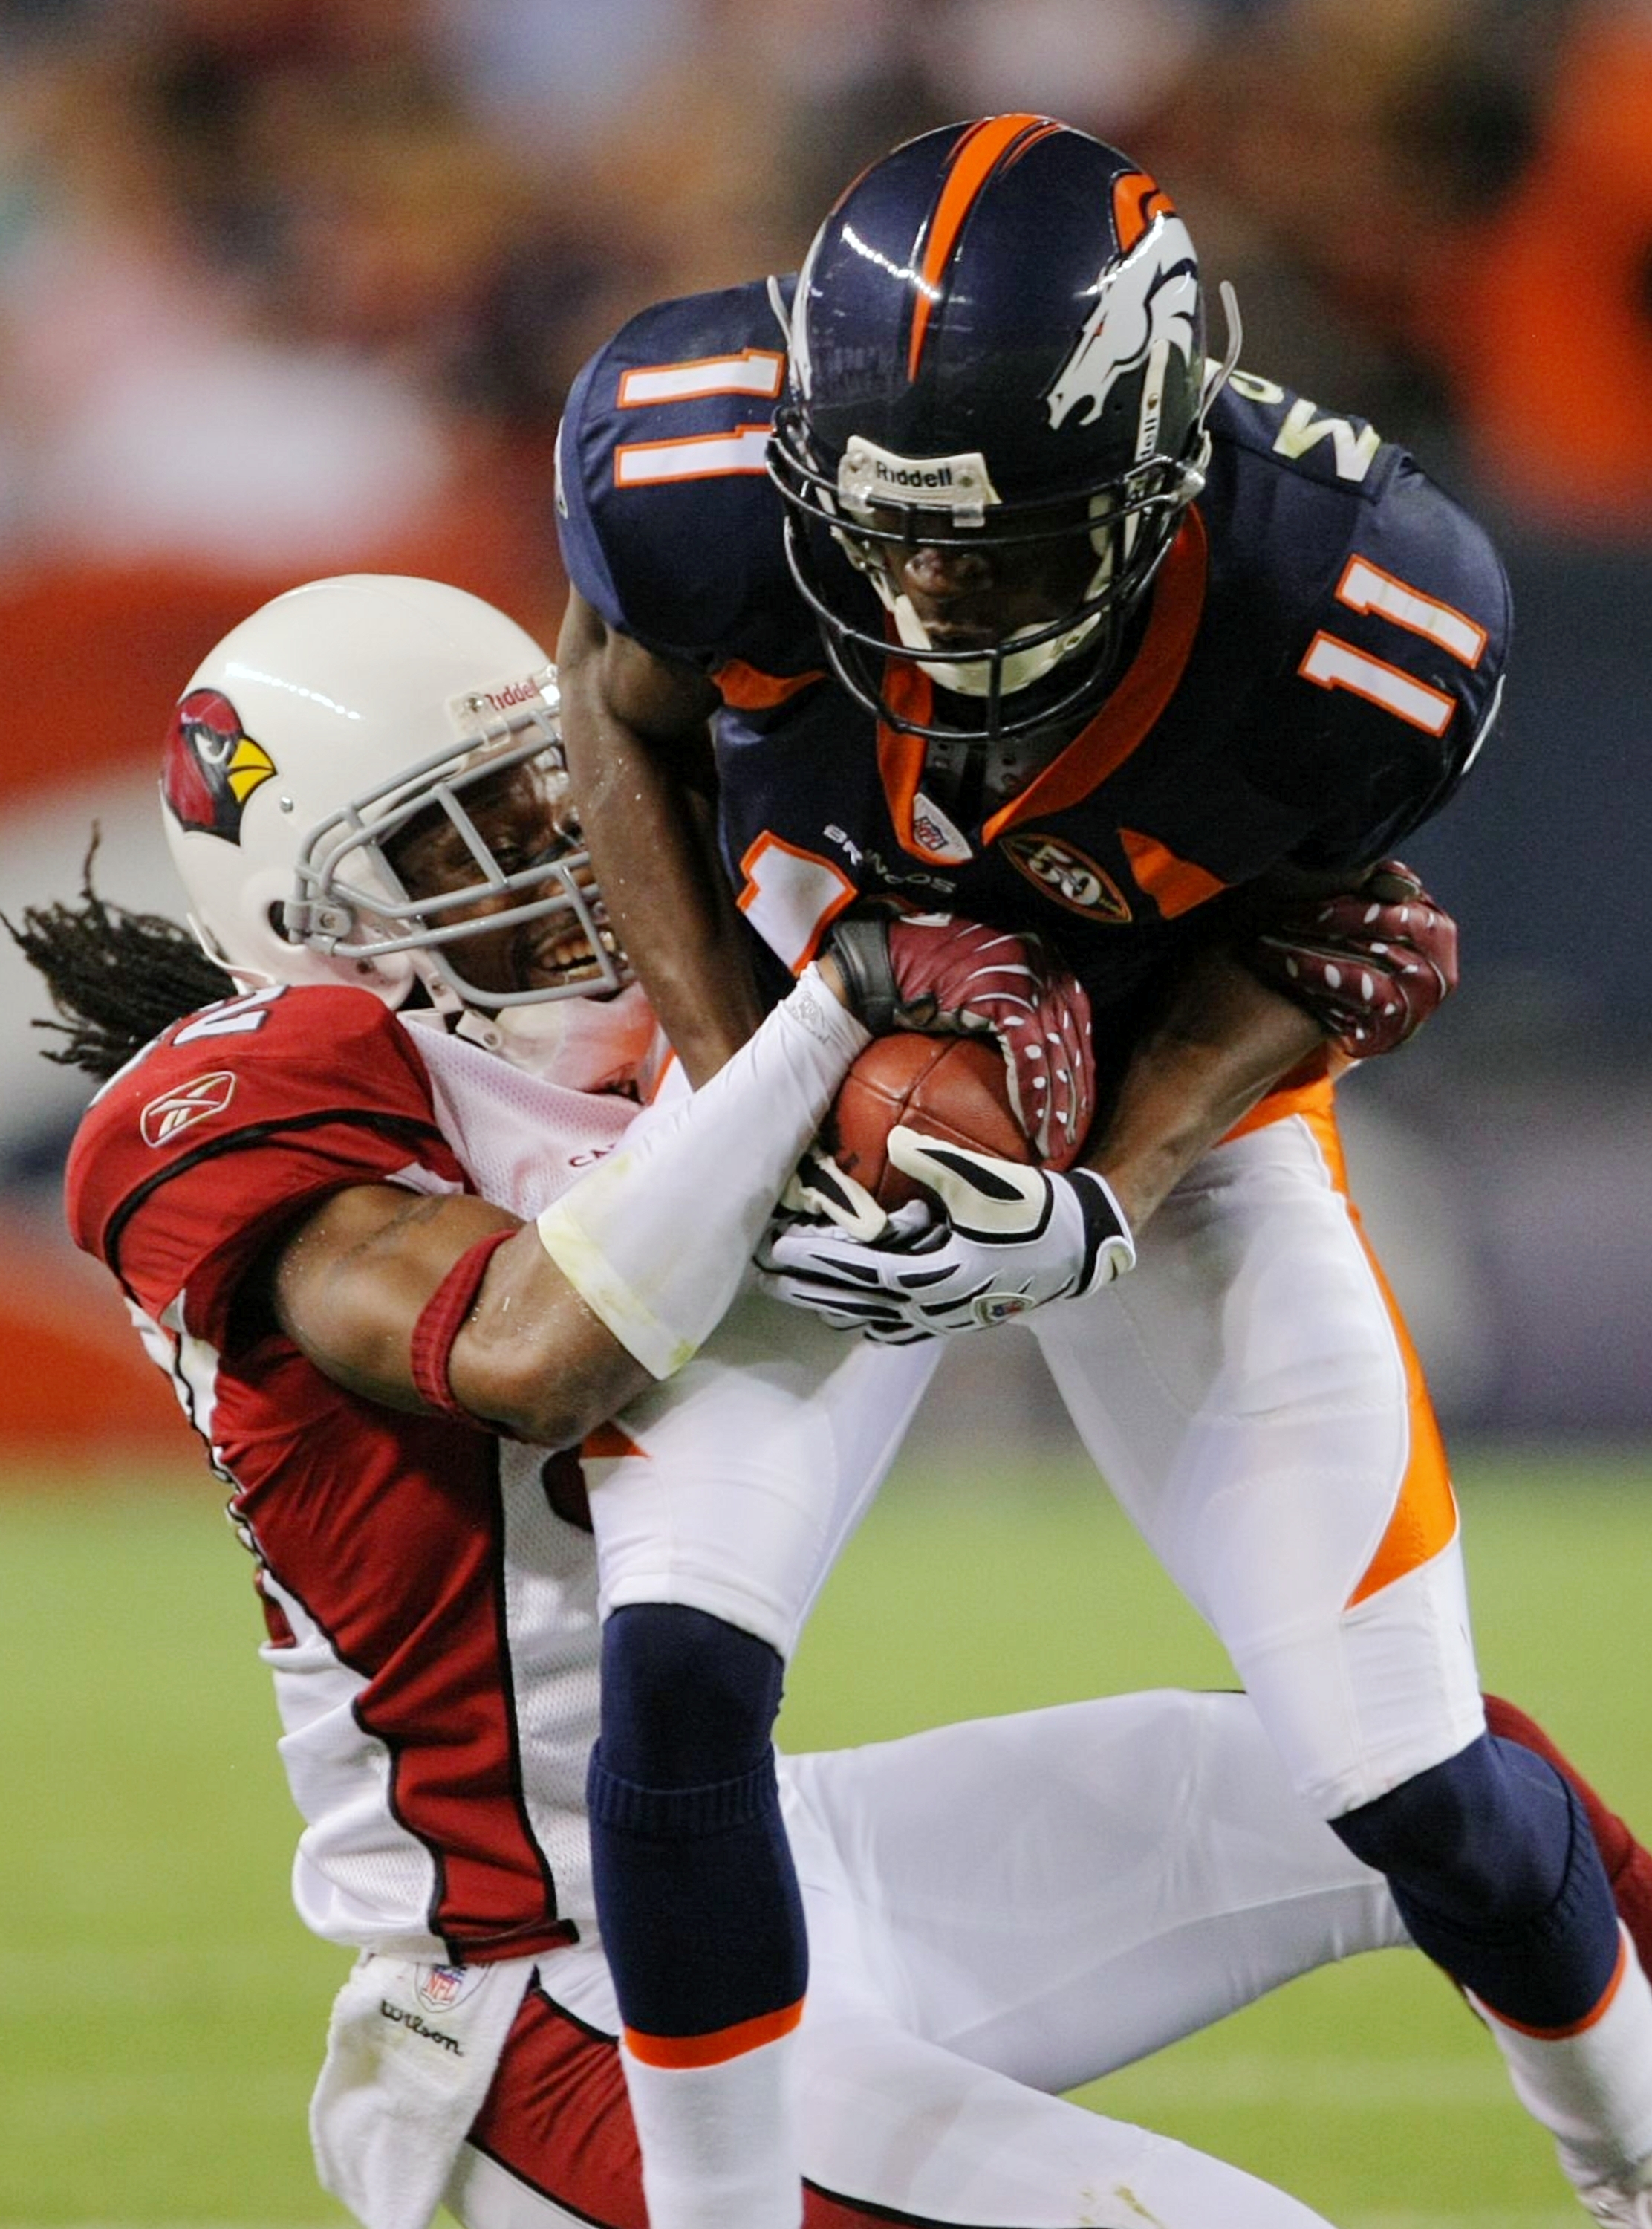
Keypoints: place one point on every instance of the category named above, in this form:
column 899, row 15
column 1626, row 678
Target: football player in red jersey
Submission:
column 307, row 1192
column 992, row 590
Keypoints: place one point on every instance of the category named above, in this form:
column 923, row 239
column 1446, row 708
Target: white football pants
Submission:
column 997, row 1911
column 1251, row 1397
column 1248, row 1393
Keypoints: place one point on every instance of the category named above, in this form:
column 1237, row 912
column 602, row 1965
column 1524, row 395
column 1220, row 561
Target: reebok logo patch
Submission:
column 192, row 1102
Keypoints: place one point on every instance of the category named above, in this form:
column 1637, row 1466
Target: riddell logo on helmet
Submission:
column 868, row 474
column 910, row 476
column 513, row 694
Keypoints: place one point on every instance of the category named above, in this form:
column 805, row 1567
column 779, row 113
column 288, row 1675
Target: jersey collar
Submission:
column 1131, row 712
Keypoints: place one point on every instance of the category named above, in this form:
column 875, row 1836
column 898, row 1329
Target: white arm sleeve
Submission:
column 655, row 1239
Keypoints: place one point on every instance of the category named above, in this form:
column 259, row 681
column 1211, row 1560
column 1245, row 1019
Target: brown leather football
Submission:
column 955, row 1088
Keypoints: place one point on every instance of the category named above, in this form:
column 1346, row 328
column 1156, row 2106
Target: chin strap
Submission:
column 1218, row 375
column 778, row 304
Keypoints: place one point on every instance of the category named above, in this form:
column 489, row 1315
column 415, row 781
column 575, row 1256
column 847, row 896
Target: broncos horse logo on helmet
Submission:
column 996, row 345
column 1147, row 304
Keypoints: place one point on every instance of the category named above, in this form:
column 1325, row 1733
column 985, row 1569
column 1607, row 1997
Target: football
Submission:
column 955, row 1088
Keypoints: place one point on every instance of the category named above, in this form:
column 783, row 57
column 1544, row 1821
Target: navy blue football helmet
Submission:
column 997, row 346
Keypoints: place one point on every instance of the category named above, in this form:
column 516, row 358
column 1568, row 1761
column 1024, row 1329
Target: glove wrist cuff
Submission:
column 1108, row 1246
column 861, row 948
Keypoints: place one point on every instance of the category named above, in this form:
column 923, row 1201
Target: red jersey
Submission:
column 429, row 1591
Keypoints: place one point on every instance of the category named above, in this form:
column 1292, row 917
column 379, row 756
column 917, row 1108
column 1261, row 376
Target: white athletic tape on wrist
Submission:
column 657, row 1238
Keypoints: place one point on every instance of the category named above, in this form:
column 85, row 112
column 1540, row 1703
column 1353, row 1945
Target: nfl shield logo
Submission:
column 437, row 1988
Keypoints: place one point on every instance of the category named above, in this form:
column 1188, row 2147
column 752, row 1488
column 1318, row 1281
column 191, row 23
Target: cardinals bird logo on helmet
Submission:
column 211, row 766
column 387, row 701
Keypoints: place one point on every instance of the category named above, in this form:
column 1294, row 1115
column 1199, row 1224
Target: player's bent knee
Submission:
column 1487, row 1832
column 686, row 1698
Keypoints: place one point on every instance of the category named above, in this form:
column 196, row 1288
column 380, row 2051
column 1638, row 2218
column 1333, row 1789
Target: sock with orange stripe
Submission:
column 1498, row 1878
column 1492, row 1863
column 701, row 1916
column 719, row 2143
column 1591, row 2088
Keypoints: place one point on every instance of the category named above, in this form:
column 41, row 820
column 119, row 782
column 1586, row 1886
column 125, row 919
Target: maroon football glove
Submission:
column 1369, row 965
column 933, row 970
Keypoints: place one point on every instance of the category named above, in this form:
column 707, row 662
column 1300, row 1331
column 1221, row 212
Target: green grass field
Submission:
column 161, row 2011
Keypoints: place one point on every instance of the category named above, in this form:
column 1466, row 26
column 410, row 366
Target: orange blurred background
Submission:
column 290, row 287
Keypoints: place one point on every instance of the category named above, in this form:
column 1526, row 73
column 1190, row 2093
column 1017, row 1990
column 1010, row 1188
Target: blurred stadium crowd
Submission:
column 297, row 286
column 384, row 232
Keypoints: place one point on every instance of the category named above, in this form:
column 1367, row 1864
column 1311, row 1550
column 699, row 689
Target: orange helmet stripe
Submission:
column 1136, row 201
column 975, row 158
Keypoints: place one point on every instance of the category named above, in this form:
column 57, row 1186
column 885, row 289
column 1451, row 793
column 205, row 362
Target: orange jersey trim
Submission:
column 1405, row 697
column 717, row 2048
column 1132, row 709
column 910, row 693
column 1122, row 725
column 748, row 689
column 1597, row 2011
column 703, row 456
column 753, row 371
column 1425, row 1516
column 974, row 160
column 1176, row 886
column 1411, row 609
column 753, row 894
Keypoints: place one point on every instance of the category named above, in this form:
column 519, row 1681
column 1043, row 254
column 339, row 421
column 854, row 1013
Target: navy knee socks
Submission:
column 1491, row 1861
column 695, row 1891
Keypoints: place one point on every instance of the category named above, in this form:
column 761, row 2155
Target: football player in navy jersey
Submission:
column 956, row 573
column 335, row 1168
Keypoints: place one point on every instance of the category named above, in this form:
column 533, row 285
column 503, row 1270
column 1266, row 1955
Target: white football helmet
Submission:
column 312, row 735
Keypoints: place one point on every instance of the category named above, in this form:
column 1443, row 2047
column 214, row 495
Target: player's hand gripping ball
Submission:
column 986, row 1240
column 1370, row 965
column 953, row 1088
column 980, row 988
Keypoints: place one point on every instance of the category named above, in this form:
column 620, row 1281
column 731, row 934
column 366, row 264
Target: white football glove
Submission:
column 1011, row 1238
column 818, row 1189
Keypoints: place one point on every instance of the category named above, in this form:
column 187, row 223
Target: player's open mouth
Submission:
column 566, row 957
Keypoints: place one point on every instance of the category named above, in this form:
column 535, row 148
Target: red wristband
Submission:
column 438, row 1326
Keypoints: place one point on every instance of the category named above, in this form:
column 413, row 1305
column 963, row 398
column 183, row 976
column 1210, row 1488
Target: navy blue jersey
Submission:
column 1318, row 660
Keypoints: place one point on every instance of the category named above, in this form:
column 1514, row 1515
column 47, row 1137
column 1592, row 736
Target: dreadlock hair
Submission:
column 118, row 977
